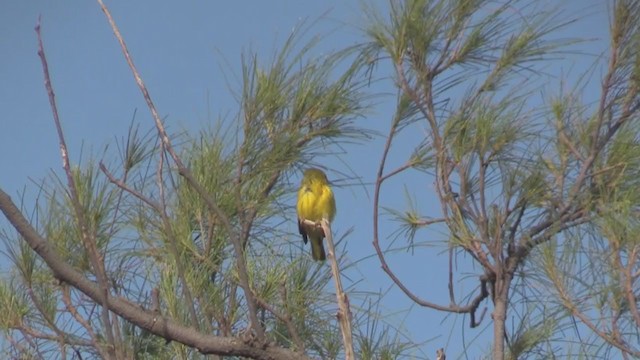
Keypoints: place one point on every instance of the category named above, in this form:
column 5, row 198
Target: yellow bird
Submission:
column 315, row 202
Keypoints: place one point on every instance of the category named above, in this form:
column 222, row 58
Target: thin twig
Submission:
column 66, row 299
column 184, row 171
column 50, row 322
column 121, row 184
column 168, row 228
column 171, row 241
column 160, row 208
column 573, row 308
column 286, row 319
column 87, row 240
column 290, row 325
column 380, row 179
column 68, row 338
column 629, row 279
column 452, row 295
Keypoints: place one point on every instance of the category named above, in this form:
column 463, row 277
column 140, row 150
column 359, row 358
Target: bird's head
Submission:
column 314, row 175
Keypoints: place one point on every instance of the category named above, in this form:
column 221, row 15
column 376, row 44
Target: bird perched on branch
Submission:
column 315, row 202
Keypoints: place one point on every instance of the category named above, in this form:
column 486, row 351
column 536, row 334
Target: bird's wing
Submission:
column 303, row 231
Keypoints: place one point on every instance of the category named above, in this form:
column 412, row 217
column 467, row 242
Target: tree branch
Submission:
column 145, row 319
column 344, row 311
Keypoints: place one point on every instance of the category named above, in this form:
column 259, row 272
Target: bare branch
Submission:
column 122, row 185
column 344, row 312
column 88, row 241
column 184, row 171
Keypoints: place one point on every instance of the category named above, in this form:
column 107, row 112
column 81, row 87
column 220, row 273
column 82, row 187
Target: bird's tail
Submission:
column 317, row 248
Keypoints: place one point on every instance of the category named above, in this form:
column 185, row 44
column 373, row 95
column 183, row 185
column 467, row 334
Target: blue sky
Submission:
column 188, row 53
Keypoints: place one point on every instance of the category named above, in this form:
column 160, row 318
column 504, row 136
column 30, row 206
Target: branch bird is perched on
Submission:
column 315, row 202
